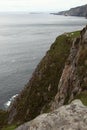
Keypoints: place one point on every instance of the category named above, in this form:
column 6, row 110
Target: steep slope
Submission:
column 42, row 87
column 73, row 82
column 77, row 11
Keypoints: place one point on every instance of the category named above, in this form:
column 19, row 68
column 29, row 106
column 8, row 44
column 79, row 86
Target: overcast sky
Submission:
column 39, row 5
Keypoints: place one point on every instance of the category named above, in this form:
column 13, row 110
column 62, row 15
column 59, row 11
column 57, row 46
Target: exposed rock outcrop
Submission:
column 71, row 82
column 77, row 11
column 69, row 117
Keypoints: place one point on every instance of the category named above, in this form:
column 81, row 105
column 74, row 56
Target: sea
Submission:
column 24, row 39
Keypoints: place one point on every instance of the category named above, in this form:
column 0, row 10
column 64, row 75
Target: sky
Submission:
column 39, row 5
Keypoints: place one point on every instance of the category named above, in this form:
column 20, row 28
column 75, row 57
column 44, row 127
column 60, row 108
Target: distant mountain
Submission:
column 77, row 11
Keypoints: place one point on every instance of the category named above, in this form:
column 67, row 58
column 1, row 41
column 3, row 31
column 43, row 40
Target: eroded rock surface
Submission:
column 73, row 78
column 69, row 117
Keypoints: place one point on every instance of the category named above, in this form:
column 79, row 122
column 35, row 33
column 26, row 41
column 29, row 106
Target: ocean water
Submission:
column 24, row 40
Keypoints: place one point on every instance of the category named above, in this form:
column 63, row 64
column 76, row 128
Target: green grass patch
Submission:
column 9, row 128
column 82, row 97
column 74, row 34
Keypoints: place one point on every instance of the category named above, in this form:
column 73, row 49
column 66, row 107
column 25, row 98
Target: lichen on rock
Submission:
column 68, row 117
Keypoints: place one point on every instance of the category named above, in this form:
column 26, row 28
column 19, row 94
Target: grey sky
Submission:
column 39, row 5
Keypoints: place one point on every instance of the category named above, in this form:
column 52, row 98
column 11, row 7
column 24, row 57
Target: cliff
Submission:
column 77, row 11
column 52, row 84
column 59, row 78
column 73, row 81
column 42, row 87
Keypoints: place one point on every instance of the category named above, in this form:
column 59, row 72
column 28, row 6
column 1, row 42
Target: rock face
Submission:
column 73, row 80
column 59, row 78
column 77, row 11
column 69, row 117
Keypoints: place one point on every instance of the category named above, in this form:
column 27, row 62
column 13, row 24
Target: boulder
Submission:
column 68, row 117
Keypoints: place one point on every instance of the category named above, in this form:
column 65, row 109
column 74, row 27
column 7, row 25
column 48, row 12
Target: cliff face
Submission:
column 73, row 81
column 77, row 11
column 42, row 87
column 59, row 78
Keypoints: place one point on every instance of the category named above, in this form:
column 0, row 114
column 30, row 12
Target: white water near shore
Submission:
column 8, row 103
column 24, row 40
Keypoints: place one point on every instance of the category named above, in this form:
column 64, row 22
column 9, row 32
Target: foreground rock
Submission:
column 69, row 117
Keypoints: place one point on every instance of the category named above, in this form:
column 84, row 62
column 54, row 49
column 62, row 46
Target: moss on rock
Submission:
column 83, row 97
column 3, row 118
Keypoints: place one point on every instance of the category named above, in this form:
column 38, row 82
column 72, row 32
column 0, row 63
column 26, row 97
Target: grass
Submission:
column 82, row 97
column 3, row 118
column 9, row 128
column 74, row 34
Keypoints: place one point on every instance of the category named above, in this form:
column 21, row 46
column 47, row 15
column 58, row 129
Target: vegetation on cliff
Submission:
column 42, row 87
column 3, row 118
column 11, row 127
column 73, row 81
column 82, row 71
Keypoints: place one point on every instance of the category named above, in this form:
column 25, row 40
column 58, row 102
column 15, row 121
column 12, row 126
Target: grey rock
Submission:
column 69, row 117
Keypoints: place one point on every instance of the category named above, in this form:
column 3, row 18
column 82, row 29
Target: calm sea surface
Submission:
column 24, row 40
